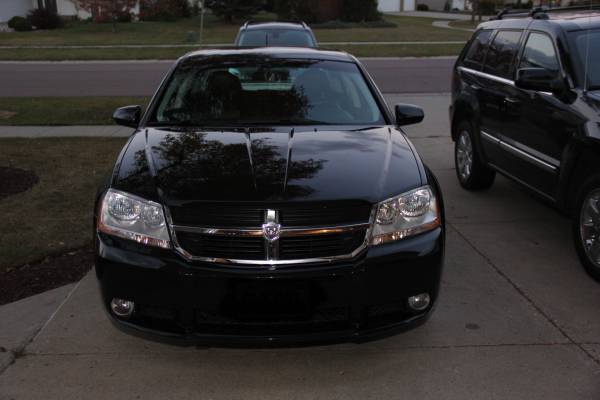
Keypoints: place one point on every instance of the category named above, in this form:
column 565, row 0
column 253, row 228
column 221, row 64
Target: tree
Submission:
column 107, row 10
column 360, row 10
column 234, row 9
column 302, row 10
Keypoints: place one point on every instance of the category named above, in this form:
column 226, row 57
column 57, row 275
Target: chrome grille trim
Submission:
column 285, row 232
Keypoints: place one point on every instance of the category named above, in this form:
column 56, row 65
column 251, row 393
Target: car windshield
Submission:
column 267, row 92
column 587, row 46
column 275, row 37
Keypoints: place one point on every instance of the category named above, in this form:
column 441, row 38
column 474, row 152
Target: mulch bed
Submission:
column 49, row 273
column 15, row 180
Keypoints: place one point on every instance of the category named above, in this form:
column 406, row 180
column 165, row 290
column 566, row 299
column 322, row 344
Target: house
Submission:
column 396, row 5
column 65, row 8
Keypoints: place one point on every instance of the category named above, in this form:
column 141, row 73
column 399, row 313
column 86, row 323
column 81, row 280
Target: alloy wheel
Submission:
column 464, row 155
column 589, row 226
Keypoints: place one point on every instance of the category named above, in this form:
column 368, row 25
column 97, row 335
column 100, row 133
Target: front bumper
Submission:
column 205, row 303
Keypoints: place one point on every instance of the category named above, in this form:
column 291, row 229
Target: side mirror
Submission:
column 128, row 116
column 539, row 79
column 407, row 114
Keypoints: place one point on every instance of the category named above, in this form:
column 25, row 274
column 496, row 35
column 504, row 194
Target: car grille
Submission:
column 292, row 248
column 291, row 215
column 233, row 232
column 212, row 246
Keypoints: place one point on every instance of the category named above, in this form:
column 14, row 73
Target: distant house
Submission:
column 396, row 5
column 65, row 8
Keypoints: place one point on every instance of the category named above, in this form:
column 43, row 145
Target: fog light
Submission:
column 122, row 308
column 419, row 302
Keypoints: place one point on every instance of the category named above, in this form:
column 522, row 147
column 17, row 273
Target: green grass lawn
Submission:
column 56, row 214
column 62, row 110
column 152, row 33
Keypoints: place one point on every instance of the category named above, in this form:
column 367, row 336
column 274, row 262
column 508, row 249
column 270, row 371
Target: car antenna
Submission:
column 587, row 50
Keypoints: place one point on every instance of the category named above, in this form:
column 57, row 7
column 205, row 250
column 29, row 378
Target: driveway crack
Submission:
column 527, row 298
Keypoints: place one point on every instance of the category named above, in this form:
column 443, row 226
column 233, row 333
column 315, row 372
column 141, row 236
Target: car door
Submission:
column 536, row 131
column 497, row 85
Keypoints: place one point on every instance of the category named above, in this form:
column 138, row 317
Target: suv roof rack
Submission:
column 254, row 22
column 540, row 12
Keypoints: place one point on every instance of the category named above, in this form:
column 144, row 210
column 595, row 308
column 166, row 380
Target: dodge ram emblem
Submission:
column 271, row 231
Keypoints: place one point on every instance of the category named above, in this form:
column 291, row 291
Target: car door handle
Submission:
column 511, row 100
column 475, row 87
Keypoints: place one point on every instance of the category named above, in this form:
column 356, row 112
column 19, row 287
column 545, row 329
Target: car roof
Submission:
column 299, row 26
column 272, row 52
column 566, row 20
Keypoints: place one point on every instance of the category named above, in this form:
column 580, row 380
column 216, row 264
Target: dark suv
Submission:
column 526, row 103
column 269, row 34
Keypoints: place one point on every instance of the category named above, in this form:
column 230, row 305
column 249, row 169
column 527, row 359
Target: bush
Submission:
column 303, row 10
column 488, row 8
column 360, row 10
column 423, row 7
column 234, row 9
column 19, row 24
column 164, row 10
column 42, row 18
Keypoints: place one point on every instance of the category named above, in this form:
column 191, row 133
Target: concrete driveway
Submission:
column 517, row 319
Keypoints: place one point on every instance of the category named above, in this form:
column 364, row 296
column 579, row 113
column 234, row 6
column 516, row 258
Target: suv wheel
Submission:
column 472, row 173
column 586, row 227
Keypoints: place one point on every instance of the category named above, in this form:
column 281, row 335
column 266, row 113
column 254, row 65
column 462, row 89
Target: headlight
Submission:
column 405, row 215
column 131, row 217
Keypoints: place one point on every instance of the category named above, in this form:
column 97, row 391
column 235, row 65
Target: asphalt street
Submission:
column 517, row 318
column 32, row 79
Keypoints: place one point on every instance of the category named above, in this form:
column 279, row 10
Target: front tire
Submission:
column 471, row 171
column 586, row 227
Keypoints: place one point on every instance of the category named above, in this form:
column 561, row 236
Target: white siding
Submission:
column 11, row 8
column 389, row 5
column 396, row 5
column 67, row 8
column 409, row 5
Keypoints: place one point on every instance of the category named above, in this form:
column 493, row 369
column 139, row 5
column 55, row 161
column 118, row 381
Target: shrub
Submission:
column 19, row 24
column 422, row 7
column 487, row 7
column 360, row 10
column 232, row 9
column 164, row 10
column 303, row 10
column 43, row 18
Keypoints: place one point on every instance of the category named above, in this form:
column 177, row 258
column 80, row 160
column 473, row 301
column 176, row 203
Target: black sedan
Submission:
column 267, row 196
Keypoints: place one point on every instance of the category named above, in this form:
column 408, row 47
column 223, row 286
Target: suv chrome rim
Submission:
column 464, row 155
column 589, row 226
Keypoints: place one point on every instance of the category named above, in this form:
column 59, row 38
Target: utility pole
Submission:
column 201, row 20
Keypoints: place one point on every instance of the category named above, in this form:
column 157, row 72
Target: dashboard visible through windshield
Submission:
column 267, row 92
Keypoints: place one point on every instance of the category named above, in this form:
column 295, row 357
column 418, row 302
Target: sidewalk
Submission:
column 433, row 14
column 64, row 131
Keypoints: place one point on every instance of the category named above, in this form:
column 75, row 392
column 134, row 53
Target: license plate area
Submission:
column 271, row 301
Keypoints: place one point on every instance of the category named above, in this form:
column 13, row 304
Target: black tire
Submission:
column 584, row 246
column 471, row 171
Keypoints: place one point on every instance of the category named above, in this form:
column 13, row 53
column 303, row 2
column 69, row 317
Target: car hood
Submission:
column 269, row 165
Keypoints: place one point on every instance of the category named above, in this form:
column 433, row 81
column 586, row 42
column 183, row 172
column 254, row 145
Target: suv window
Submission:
column 540, row 53
column 476, row 53
column 501, row 55
column 275, row 37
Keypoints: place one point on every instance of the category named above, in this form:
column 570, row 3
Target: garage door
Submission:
column 10, row 8
column 389, row 5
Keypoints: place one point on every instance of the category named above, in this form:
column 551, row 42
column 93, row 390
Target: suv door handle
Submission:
column 511, row 100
